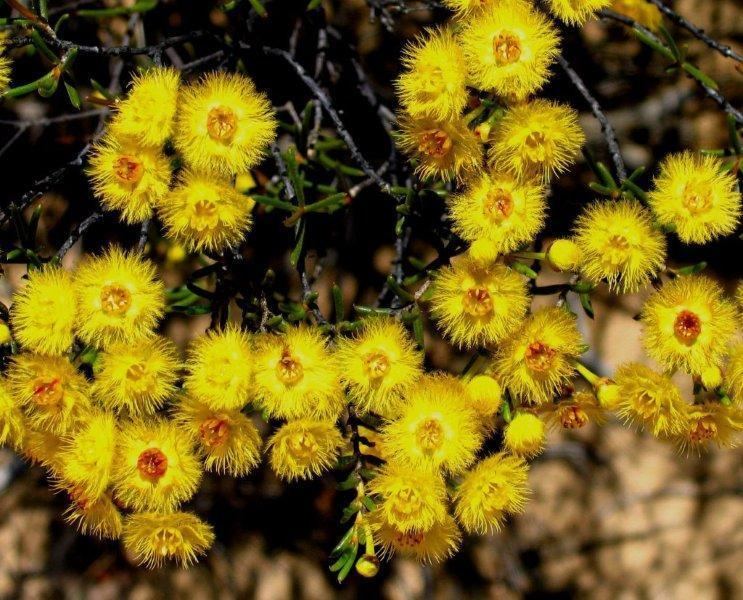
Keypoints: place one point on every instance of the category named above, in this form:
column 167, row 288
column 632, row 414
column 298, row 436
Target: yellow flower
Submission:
column 495, row 487
column 11, row 417
column 147, row 113
column 379, row 364
column 5, row 335
column 476, row 304
column 220, row 372
column 431, row 546
column 536, row 361
column 295, row 376
column 500, row 210
column 204, row 212
column 228, row 440
column 688, row 323
column 52, row 394
column 43, row 448
column 524, row 435
column 224, row 124
column 486, row 395
column 433, row 82
column 436, row 428
column 410, row 500
column 651, row 400
column 696, row 197
column 137, row 377
column 5, row 64
column 445, row 149
column 155, row 466
column 43, row 311
column 537, row 139
column 128, row 177
column 710, row 423
column 575, row 411
column 465, row 8
column 619, row 244
column 88, row 456
column 118, row 298
column 576, row 12
column 564, row 255
column 154, row 538
column 99, row 517
column 509, row 49
column 641, row 11
column 734, row 374
column 304, row 448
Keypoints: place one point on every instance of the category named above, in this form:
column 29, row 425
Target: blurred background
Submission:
column 614, row 513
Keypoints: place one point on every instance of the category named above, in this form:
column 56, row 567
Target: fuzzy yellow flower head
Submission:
column 43, row 448
column 710, row 423
column 696, row 197
column 576, row 12
column 11, row 417
column 431, row 546
column 500, row 210
column 155, row 466
column 88, row 457
column 575, row 411
column 410, row 500
column 524, row 435
column 154, row 538
column 538, row 139
column 128, row 177
column 220, row 369
column 43, row 311
column 137, row 377
column 118, row 298
column 53, row 395
column 650, row 400
column 495, row 487
column 486, row 395
column 5, row 65
column 733, row 380
column 379, row 364
column 688, row 323
column 509, row 49
column 436, row 429
column 227, row 439
column 147, row 113
column 476, row 304
column 100, row 517
column 445, row 149
column 304, row 448
column 619, row 244
column 295, row 375
column 224, row 124
column 536, row 361
column 435, row 76
column 641, row 11
column 204, row 212
column 464, row 8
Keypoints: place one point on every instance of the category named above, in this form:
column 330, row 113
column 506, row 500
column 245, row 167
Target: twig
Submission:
column 77, row 234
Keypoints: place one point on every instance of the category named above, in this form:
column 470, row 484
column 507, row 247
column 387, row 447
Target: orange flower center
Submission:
column 48, row 392
column 406, row 502
column 615, row 252
column 214, row 431
column 703, row 430
column 506, row 48
column 136, row 372
column 115, row 299
column 167, row 541
column 128, row 169
column 204, row 215
column 289, row 370
column 499, row 204
column 376, row 364
column 539, row 356
column 687, row 327
column 303, row 445
column 430, row 435
column 221, row 123
column 152, row 463
column 477, row 302
column 573, row 417
column 411, row 539
column 695, row 202
column 436, row 143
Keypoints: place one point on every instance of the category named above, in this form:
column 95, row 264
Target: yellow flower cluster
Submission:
column 4, row 63
column 220, row 127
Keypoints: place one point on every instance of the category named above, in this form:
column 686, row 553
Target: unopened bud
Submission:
column 5, row 337
column 367, row 565
column 564, row 255
column 486, row 395
column 483, row 251
column 712, row 377
column 607, row 393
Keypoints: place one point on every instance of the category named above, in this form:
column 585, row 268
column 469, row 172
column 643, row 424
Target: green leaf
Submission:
column 523, row 269
column 585, row 302
column 338, row 303
column 299, row 245
column 73, row 95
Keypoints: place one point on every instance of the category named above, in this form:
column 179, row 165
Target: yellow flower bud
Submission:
column 5, row 337
column 564, row 255
column 486, row 394
column 524, row 435
column 176, row 254
column 607, row 393
column 244, row 182
column 483, row 251
column 367, row 565
column 711, row 377
column 482, row 131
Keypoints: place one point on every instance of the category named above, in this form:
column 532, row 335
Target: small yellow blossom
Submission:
column 710, row 423
column 100, row 517
column 576, row 12
column 43, row 311
column 619, row 244
column 304, row 448
column 687, row 324
column 486, row 395
column 466, row 8
column 5, row 336
column 524, row 435
column 11, row 417
column 733, row 379
column 431, row 546
column 575, row 411
column 477, row 305
column 43, row 448
column 564, row 255
column 641, row 11
column 5, row 64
